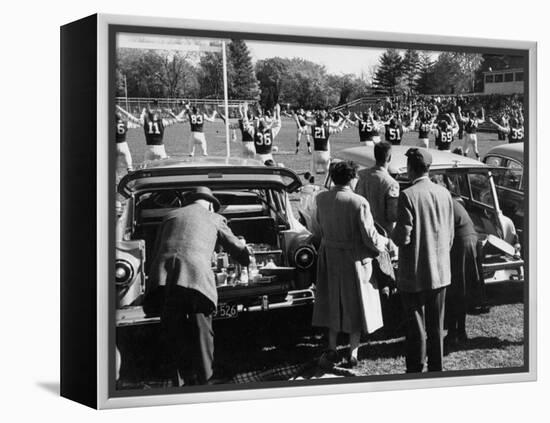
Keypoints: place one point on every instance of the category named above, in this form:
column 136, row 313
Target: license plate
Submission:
column 226, row 311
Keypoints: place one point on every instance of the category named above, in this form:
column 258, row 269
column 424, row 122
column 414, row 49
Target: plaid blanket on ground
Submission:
column 286, row 372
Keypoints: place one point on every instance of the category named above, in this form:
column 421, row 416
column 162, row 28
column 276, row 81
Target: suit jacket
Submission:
column 382, row 192
column 185, row 242
column 424, row 232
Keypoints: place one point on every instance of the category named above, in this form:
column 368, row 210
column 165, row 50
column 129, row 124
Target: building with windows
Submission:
column 505, row 81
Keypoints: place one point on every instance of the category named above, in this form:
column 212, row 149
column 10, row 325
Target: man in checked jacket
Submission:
column 181, row 284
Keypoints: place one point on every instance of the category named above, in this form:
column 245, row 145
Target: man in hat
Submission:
column 424, row 232
column 181, row 283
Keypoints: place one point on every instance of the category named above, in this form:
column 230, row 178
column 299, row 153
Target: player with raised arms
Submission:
column 122, row 126
column 300, row 119
column 514, row 128
column 264, row 130
column 445, row 131
column 196, row 122
column 321, row 129
column 471, row 124
column 153, row 127
column 395, row 129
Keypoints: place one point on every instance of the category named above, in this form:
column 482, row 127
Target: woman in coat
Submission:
column 346, row 300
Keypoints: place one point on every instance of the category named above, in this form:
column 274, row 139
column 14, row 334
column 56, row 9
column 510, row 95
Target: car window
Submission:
column 455, row 182
column 512, row 177
column 494, row 161
column 480, row 183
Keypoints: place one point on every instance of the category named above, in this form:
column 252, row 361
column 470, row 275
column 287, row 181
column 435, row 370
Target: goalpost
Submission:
column 190, row 46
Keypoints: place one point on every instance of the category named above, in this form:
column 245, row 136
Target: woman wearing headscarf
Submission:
column 346, row 300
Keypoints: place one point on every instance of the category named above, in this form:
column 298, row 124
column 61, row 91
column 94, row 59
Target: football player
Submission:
column 264, row 130
column 445, row 132
column 301, row 129
column 321, row 129
column 196, row 122
column 514, row 128
column 122, row 149
column 249, row 150
column 471, row 124
column 368, row 128
column 153, row 127
column 395, row 129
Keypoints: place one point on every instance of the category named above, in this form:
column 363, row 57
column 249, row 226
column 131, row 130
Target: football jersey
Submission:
column 245, row 134
column 424, row 130
column 196, row 121
column 366, row 130
column 394, row 134
column 516, row 134
column 154, row 131
column 471, row 126
column 121, row 130
column 321, row 134
column 263, row 141
column 443, row 139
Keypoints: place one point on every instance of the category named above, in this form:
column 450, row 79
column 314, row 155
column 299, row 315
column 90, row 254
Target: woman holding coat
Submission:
column 346, row 299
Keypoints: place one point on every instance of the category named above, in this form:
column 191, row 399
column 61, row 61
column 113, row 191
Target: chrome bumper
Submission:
column 134, row 315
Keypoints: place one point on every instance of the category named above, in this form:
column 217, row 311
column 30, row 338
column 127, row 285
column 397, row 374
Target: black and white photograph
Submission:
column 290, row 213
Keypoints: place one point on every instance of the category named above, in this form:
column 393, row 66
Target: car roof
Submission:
column 214, row 172
column 513, row 151
column 208, row 161
column 364, row 156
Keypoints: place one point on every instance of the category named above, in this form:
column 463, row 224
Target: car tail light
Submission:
column 304, row 257
column 124, row 273
column 129, row 277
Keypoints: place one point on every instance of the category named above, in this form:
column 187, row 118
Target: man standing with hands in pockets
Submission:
column 424, row 232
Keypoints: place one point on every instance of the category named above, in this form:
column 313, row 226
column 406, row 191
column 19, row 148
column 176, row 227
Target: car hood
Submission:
column 213, row 176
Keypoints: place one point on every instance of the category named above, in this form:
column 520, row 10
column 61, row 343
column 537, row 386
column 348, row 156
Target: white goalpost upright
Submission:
column 225, row 101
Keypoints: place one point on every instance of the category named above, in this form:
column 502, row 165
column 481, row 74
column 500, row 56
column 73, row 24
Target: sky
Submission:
column 336, row 59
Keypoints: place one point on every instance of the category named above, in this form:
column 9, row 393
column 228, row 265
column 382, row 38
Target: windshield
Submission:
column 234, row 203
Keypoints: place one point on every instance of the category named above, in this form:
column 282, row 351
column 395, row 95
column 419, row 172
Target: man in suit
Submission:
column 181, row 283
column 379, row 188
column 424, row 232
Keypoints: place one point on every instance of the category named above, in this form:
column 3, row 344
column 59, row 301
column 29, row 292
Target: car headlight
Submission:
column 124, row 272
column 304, row 257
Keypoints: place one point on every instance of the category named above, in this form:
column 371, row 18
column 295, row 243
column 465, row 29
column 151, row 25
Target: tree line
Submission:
column 296, row 81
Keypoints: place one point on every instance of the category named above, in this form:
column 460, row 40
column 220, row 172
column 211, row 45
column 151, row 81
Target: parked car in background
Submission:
column 473, row 183
column 254, row 200
column 510, row 181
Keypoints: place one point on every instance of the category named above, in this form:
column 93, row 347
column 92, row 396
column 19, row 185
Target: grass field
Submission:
column 176, row 138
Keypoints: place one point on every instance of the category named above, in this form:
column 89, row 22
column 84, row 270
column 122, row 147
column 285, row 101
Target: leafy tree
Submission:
column 387, row 78
column 454, row 73
column 306, row 85
column 153, row 73
column 210, row 75
column 347, row 87
column 468, row 64
column 411, row 69
column 243, row 82
column 271, row 73
column 425, row 82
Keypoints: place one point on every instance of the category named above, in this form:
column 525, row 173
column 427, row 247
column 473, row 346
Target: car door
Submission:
column 474, row 188
column 509, row 185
